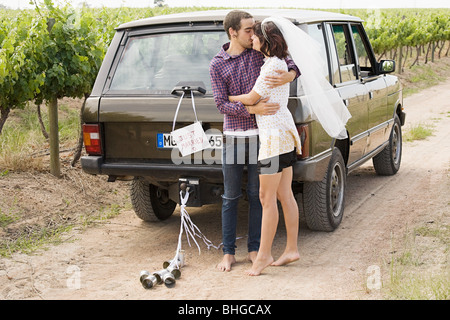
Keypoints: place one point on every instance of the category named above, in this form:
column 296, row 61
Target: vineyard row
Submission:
column 54, row 52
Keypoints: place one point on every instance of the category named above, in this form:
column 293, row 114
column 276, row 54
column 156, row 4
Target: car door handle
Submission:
column 370, row 95
column 345, row 102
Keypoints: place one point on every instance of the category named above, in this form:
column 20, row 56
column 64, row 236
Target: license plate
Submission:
column 166, row 141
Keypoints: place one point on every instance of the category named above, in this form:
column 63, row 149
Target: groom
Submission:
column 234, row 71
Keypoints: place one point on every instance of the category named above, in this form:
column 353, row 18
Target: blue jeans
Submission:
column 237, row 154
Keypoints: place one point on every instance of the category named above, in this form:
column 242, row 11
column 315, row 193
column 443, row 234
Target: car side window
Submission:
column 333, row 60
column 365, row 64
column 315, row 31
column 344, row 48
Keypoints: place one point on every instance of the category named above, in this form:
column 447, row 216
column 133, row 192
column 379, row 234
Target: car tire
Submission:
column 150, row 203
column 387, row 162
column 323, row 201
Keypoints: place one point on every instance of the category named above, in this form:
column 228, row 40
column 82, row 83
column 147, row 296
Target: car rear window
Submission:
column 155, row 64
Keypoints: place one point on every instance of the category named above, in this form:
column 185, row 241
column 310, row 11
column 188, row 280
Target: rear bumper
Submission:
column 304, row 170
column 157, row 171
column 312, row 169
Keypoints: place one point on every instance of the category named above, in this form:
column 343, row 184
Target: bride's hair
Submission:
column 271, row 39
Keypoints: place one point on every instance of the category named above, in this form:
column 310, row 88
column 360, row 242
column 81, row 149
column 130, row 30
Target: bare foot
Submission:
column 259, row 265
column 226, row 263
column 252, row 256
column 286, row 258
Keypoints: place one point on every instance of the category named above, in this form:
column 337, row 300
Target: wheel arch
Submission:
column 343, row 146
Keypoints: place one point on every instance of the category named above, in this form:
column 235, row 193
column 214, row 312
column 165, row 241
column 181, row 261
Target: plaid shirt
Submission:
column 232, row 76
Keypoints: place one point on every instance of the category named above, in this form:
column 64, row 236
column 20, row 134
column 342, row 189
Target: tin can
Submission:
column 175, row 271
column 157, row 275
column 149, row 281
column 143, row 274
column 180, row 258
column 167, row 277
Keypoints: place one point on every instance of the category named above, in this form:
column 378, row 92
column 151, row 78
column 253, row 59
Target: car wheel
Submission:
column 323, row 201
column 150, row 203
column 387, row 162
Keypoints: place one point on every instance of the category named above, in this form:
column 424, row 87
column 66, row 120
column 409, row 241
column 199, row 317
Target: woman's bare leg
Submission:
column 268, row 196
column 290, row 212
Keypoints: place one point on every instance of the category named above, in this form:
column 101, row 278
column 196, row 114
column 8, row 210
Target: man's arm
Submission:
column 220, row 93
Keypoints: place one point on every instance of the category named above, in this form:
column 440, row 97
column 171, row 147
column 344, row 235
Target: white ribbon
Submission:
column 178, row 108
column 191, row 229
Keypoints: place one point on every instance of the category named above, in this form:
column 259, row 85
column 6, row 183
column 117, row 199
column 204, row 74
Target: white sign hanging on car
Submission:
column 190, row 139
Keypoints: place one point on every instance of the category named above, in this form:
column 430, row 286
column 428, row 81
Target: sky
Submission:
column 330, row 4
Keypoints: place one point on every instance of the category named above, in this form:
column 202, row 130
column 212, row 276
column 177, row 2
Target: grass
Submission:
column 420, row 287
column 22, row 141
column 7, row 218
column 423, row 76
column 419, row 270
column 16, row 147
column 103, row 215
column 23, row 148
column 418, row 132
column 34, row 237
column 13, row 214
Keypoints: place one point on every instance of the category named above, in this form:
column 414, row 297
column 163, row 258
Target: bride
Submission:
column 277, row 37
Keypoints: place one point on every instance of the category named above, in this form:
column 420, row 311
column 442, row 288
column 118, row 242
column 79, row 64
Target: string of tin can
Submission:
column 171, row 268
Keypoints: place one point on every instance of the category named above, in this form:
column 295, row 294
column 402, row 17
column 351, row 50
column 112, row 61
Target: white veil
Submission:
column 326, row 104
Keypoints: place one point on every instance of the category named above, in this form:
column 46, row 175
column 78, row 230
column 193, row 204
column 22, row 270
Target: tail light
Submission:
column 92, row 139
column 303, row 132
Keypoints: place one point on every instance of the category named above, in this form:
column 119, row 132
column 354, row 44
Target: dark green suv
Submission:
column 130, row 113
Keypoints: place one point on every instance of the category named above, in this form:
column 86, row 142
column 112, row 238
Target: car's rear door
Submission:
column 137, row 108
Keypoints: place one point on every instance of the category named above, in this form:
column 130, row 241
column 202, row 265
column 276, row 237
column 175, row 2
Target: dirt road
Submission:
column 103, row 262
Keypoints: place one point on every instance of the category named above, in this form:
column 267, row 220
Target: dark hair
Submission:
column 274, row 45
column 233, row 20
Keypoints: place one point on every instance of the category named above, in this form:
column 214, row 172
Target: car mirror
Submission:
column 386, row 66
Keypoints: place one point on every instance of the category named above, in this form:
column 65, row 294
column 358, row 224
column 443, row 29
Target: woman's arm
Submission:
column 262, row 107
column 280, row 78
column 248, row 99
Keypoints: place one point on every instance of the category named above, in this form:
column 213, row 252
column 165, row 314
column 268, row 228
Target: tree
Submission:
column 69, row 57
column 89, row 31
column 20, row 52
